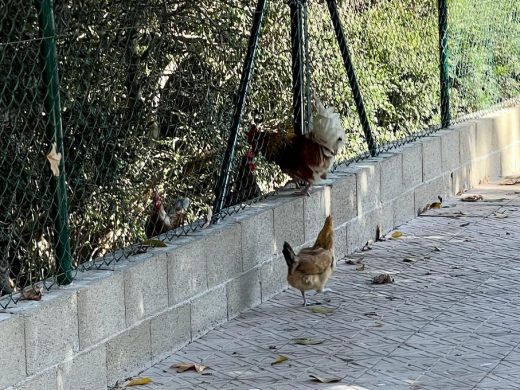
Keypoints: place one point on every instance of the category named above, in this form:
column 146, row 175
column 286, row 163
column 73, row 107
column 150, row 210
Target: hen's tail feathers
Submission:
column 289, row 255
column 326, row 126
column 325, row 238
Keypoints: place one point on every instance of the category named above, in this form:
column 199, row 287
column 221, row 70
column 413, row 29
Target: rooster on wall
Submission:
column 312, row 267
column 160, row 222
column 308, row 157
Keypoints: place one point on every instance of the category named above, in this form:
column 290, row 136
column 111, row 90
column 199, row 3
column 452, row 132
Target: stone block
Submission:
column 412, row 165
column 340, row 241
column 450, row 143
column 129, row 352
column 208, row 311
column 363, row 228
column 244, row 292
column 273, row 277
column 315, row 208
column 344, row 198
column 429, row 192
column 223, row 250
column 46, row 380
column 368, row 186
column 51, row 331
column 461, row 178
column 485, row 137
column 432, row 157
column 146, row 289
column 187, row 271
column 86, row 371
column 404, row 208
column 467, row 141
column 12, row 342
column 391, row 176
column 170, row 330
column 258, row 242
column 101, row 309
column 289, row 223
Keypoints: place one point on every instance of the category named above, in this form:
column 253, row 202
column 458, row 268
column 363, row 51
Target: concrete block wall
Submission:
column 111, row 324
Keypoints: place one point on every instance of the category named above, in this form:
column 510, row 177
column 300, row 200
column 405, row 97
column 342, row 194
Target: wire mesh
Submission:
column 147, row 101
column 484, row 54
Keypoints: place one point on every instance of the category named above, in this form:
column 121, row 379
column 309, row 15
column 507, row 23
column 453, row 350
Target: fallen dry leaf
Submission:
column 154, row 243
column 396, row 234
column 510, row 181
column 305, row 341
column 280, row 359
column 323, row 310
column 500, row 215
column 378, row 234
column 367, row 246
column 138, row 381
column 464, row 224
column 32, row 294
column 354, row 261
column 410, row 259
column 472, row 198
column 316, row 378
column 54, row 159
column 361, row 267
column 382, row 279
column 181, row 367
column 437, row 248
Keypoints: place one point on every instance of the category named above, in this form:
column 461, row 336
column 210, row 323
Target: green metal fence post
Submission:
column 55, row 135
column 443, row 64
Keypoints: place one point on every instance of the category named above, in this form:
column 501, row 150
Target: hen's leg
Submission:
column 304, row 299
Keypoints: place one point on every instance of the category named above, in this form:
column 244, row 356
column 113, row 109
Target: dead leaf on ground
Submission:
column 397, row 234
column 181, row 367
column 306, row 341
column 138, row 381
column 367, row 246
column 382, row 279
column 54, row 159
column 500, row 215
column 323, row 310
column 354, row 261
column 379, row 236
column 154, row 243
column 472, row 198
column 437, row 249
column 361, row 267
column 319, row 379
column 410, row 259
column 464, row 224
column 510, row 181
column 280, row 359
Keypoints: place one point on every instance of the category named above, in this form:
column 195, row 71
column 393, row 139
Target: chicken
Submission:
column 160, row 222
column 312, row 267
column 305, row 158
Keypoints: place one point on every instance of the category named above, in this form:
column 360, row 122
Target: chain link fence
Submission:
column 156, row 101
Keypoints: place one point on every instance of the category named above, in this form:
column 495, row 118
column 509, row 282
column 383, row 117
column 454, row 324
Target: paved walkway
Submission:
column 451, row 319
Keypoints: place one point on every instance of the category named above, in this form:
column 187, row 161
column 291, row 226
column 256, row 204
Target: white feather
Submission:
column 326, row 128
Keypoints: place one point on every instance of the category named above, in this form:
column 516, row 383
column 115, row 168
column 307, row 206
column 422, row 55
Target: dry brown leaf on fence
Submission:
column 208, row 217
column 280, row 359
column 182, row 367
column 138, row 381
column 316, row 378
column 54, row 159
column 32, row 294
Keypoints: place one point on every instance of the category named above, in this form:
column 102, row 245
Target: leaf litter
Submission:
column 182, row 367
